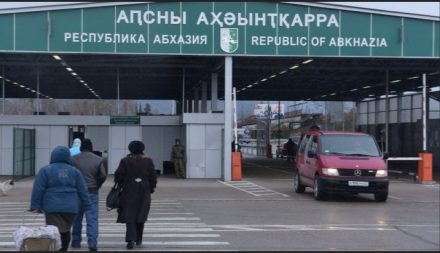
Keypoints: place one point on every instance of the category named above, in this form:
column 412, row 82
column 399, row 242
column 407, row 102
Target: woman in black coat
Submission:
column 138, row 179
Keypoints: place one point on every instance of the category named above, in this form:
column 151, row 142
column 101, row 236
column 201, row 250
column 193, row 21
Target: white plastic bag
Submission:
column 47, row 231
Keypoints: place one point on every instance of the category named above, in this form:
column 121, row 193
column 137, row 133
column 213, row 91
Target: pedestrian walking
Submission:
column 137, row 177
column 291, row 148
column 75, row 149
column 178, row 158
column 58, row 190
column 92, row 168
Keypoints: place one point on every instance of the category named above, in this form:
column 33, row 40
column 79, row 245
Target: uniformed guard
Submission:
column 178, row 158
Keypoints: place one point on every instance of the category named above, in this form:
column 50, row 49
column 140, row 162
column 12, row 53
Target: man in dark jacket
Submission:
column 94, row 173
column 138, row 179
column 58, row 191
column 290, row 146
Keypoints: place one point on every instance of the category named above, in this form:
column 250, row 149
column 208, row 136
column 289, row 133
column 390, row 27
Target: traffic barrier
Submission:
column 425, row 167
column 236, row 166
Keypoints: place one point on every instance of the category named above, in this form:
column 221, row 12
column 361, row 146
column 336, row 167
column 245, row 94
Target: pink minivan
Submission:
column 337, row 162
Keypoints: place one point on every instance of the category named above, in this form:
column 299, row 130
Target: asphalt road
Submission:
column 260, row 212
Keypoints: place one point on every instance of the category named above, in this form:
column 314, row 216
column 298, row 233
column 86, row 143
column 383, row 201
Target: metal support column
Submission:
column 387, row 109
column 228, row 120
column 38, row 90
column 183, row 92
column 204, row 108
column 214, row 90
column 424, row 113
column 117, row 84
column 196, row 100
column 3, row 89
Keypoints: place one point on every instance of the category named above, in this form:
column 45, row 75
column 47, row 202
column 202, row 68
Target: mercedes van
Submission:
column 338, row 162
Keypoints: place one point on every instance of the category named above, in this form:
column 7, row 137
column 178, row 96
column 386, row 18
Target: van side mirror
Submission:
column 311, row 153
column 386, row 155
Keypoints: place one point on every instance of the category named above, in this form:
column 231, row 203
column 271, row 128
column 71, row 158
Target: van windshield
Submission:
column 349, row 145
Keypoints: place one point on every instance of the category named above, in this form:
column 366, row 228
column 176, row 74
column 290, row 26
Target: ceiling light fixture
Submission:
column 282, row 72
column 294, row 67
column 272, row 76
column 332, row 94
column 413, row 77
column 69, row 69
column 309, row 60
column 74, row 74
column 56, row 57
column 264, row 80
column 395, row 81
column 249, row 86
column 366, row 87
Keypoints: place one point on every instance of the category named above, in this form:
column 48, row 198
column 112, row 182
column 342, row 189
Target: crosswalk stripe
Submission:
column 182, row 243
column 101, row 235
column 166, row 224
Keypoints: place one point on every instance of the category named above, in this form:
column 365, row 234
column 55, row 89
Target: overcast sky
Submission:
column 426, row 8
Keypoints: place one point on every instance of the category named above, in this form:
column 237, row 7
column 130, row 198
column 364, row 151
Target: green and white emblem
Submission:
column 229, row 39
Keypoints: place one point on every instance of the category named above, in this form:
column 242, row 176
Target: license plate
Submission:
column 358, row 183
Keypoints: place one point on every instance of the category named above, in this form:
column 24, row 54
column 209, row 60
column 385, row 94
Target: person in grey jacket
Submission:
column 58, row 190
column 94, row 173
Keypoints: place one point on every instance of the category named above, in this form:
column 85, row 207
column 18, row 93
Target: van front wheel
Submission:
column 381, row 197
column 299, row 188
column 317, row 191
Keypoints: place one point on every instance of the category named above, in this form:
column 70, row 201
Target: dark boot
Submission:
column 65, row 240
column 130, row 245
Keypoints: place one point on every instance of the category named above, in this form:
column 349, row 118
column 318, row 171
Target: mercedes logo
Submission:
column 357, row 172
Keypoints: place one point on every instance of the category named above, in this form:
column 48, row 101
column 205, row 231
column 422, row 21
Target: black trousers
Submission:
column 134, row 232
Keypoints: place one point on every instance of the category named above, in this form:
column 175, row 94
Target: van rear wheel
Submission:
column 299, row 188
column 381, row 197
column 317, row 191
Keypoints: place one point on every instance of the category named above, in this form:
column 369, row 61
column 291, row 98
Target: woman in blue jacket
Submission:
column 57, row 190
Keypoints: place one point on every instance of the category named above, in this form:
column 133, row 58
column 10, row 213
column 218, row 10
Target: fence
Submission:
column 23, row 153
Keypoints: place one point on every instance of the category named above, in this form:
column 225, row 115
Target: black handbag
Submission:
column 112, row 200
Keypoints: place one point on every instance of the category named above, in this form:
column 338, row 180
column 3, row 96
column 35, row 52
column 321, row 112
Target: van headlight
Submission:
column 381, row 173
column 330, row 171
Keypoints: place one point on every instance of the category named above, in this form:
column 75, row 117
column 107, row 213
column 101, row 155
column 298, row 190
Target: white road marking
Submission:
column 393, row 197
column 186, row 243
column 261, row 189
column 102, row 235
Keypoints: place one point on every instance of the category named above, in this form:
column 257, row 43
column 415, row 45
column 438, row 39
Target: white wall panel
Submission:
column 213, row 136
column 58, row 136
column 132, row 133
column 8, row 136
column 42, row 137
column 42, row 158
column 196, row 164
column 7, row 162
column 99, row 137
column 213, row 163
column 117, row 137
column 197, row 137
